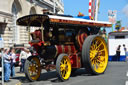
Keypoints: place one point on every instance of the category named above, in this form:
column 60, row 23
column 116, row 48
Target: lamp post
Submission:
column 54, row 6
column 97, row 7
column 2, row 69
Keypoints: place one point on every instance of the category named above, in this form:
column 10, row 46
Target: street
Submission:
column 116, row 74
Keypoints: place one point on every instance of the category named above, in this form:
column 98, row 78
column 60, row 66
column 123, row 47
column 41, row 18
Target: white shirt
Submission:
column 14, row 57
column 0, row 54
column 24, row 55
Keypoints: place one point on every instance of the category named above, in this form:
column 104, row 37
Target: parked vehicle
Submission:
column 64, row 43
column 18, row 49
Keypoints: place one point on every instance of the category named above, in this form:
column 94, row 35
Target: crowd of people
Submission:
column 9, row 57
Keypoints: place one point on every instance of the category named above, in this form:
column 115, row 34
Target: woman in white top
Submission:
column 13, row 61
column 23, row 56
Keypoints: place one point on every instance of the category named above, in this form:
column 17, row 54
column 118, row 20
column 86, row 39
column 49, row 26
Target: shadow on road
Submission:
column 80, row 72
column 46, row 76
column 52, row 76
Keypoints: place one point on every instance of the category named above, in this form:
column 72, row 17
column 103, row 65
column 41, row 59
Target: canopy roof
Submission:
column 118, row 33
column 39, row 19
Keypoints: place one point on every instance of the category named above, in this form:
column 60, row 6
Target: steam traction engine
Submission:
column 64, row 43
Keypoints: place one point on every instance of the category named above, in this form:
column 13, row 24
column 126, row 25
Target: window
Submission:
column 51, row 0
column 119, row 37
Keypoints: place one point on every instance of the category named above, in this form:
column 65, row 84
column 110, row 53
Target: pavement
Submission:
column 20, row 78
column 116, row 74
column 17, row 79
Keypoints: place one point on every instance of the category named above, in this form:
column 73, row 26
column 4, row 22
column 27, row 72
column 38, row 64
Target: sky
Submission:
column 73, row 7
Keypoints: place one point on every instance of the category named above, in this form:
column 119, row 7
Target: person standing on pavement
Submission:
column 126, row 59
column 1, row 50
column 118, row 53
column 124, row 47
column 13, row 57
column 7, row 61
column 126, row 53
column 23, row 56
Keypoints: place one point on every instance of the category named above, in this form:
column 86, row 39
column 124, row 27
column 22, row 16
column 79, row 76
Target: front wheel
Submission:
column 95, row 54
column 63, row 67
column 32, row 68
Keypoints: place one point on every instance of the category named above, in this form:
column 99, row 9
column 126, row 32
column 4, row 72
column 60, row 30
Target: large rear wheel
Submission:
column 95, row 54
column 63, row 67
column 32, row 68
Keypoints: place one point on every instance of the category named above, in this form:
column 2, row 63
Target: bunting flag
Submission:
column 80, row 14
column 118, row 25
column 112, row 16
column 122, row 28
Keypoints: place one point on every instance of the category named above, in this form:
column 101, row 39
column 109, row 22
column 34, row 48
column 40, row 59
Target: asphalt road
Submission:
column 116, row 74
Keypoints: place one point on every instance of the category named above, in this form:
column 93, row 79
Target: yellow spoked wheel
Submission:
column 63, row 67
column 32, row 68
column 95, row 54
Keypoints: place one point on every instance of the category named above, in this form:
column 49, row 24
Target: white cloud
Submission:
column 125, row 10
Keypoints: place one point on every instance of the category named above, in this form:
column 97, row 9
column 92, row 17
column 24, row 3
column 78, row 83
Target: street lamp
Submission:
column 97, row 7
column 54, row 9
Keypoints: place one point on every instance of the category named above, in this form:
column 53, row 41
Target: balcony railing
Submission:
column 59, row 1
column 50, row 3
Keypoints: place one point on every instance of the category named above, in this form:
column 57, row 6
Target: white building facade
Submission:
column 11, row 10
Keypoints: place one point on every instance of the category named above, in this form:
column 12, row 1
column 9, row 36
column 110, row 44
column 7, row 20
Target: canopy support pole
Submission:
column 42, row 31
column 29, row 33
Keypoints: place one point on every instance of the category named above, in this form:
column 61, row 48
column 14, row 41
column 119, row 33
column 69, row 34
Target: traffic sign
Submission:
column 1, row 43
